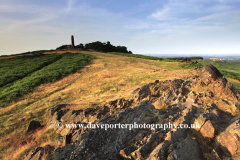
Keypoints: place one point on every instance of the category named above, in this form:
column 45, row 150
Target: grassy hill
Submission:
column 107, row 77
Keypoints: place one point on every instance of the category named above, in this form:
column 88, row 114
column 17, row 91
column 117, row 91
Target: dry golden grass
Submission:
column 107, row 78
column 18, row 152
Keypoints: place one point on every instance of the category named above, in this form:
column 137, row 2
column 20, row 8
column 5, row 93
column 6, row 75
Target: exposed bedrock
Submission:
column 206, row 103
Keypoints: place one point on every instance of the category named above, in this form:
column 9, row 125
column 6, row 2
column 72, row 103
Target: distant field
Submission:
column 194, row 58
column 143, row 56
column 233, row 61
column 20, row 74
column 229, row 70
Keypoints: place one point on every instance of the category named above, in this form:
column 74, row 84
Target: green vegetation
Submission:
column 143, row 56
column 38, row 52
column 63, row 65
column 99, row 46
column 15, row 68
column 192, row 58
column 230, row 74
column 106, row 47
column 49, row 135
column 66, row 46
column 190, row 65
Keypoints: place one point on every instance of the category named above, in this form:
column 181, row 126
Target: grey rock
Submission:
column 188, row 149
column 104, row 144
column 56, row 98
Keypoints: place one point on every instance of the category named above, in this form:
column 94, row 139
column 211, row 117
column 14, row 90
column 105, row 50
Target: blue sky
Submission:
column 197, row 27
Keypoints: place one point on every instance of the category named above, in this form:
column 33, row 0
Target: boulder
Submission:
column 56, row 98
column 200, row 121
column 186, row 60
column 188, row 149
column 195, row 62
column 140, row 93
column 39, row 152
column 210, row 74
column 229, row 139
column 208, row 130
column 151, row 143
column 33, row 125
column 33, row 154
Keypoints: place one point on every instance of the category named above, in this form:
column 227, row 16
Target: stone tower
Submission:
column 72, row 39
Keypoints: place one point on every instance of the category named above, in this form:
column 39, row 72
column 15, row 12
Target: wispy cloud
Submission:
column 70, row 5
column 191, row 27
column 192, row 14
column 163, row 15
column 143, row 27
column 17, row 16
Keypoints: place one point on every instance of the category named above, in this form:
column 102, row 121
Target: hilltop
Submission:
column 114, row 88
column 205, row 99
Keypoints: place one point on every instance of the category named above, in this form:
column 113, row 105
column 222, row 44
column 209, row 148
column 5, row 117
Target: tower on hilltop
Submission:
column 72, row 40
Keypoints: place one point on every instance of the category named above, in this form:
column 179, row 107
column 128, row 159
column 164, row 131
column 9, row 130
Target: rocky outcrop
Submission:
column 186, row 60
column 39, row 152
column 102, row 144
column 206, row 104
column 210, row 74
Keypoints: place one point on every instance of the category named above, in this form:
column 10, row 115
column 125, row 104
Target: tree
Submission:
column 106, row 47
column 81, row 45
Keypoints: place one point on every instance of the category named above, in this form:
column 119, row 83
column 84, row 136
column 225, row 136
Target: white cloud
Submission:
column 162, row 15
column 193, row 15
